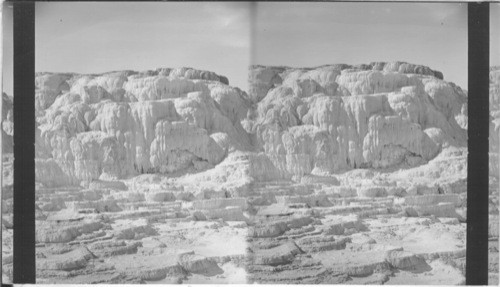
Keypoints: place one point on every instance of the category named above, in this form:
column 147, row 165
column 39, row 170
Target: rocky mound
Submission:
column 293, row 123
column 494, row 168
column 126, row 123
column 7, row 124
column 338, row 117
column 495, row 120
column 331, row 174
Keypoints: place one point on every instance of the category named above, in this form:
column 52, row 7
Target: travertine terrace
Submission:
column 494, row 174
column 333, row 174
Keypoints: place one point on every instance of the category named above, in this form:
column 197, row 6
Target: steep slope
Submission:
column 318, row 121
column 7, row 124
column 333, row 174
column 123, row 123
column 495, row 120
column 494, row 172
column 338, row 117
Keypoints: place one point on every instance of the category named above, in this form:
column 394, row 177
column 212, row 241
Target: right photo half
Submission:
column 362, row 108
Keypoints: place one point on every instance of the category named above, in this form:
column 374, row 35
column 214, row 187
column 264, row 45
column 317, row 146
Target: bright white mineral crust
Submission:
column 294, row 122
column 333, row 174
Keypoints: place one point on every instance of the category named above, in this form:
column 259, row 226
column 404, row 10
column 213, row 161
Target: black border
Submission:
column 24, row 143
column 24, row 139
column 478, row 145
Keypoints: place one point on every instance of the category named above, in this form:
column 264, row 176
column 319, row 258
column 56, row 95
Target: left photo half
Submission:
column 132, row 101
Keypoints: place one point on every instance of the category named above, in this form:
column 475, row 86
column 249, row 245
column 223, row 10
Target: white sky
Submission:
column 7, row 49
column 311, row 34
column 99, row 37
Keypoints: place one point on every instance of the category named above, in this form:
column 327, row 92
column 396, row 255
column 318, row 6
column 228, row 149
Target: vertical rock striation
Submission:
column 309, row 121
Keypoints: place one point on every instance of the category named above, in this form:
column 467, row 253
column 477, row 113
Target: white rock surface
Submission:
column 332, row 118
column 124, row 123
column 317, row 175
column 7, row 123
column 316, row 121
column 494, row 138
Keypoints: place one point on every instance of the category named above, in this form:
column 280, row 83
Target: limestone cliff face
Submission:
column 332, row 118
column 124, row 123
column 7, row 123
column 293, row 122
column 494, row 121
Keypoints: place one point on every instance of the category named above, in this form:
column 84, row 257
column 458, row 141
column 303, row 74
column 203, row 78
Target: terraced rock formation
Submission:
column 334, row 174
column 494, row 168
